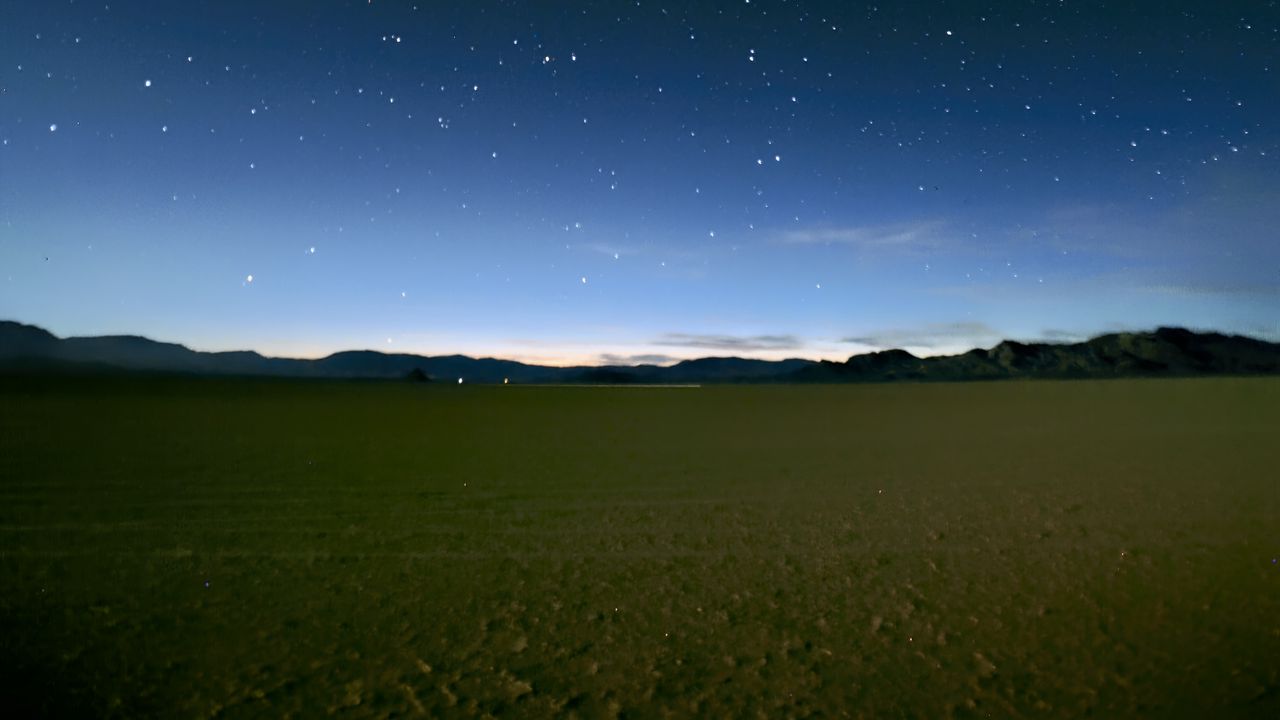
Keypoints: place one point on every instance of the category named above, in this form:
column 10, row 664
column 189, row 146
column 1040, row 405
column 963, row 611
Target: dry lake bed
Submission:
column 253, row 548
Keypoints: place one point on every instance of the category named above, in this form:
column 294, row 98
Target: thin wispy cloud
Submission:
column 1152, row 280
column 899, row 237
column 730, row 342
column 1214, row 288
column 932, row 335
column 608, row 249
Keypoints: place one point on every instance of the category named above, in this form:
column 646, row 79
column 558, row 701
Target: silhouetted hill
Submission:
column 701, row 370
column 1166, row 351
column 19, row 340
column 739, row 369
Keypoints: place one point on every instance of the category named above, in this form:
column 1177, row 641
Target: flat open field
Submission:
column 191, row 548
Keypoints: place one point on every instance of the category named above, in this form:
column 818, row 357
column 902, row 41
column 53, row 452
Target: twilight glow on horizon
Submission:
column 623, row 182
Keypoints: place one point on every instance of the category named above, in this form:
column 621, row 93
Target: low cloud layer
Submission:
column 641, row 359
column 730, row 342
column 930, row 336
column 1062, row 336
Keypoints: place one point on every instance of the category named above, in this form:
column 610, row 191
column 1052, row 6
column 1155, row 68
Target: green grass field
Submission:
column 193, row 548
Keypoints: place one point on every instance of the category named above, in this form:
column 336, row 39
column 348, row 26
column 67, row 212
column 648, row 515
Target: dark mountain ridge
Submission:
column 1163, row 352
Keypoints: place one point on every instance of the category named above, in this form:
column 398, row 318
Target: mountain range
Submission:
column 1163, row 352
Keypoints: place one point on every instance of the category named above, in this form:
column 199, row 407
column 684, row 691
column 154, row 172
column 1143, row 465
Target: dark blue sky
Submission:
column 614, row 181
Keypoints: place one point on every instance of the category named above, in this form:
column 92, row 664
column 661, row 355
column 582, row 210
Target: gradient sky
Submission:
column 625, row 181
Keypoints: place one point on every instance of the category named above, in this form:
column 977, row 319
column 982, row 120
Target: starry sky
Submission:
column 574, row 182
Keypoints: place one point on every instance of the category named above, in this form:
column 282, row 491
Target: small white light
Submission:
column 248, row 279
column 459, row 381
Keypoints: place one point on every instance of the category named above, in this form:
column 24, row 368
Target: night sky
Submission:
column 638, row 181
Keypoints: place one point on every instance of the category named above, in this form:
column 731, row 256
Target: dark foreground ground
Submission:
column 192, row 548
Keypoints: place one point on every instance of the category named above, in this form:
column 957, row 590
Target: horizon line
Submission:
column 597, row 360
